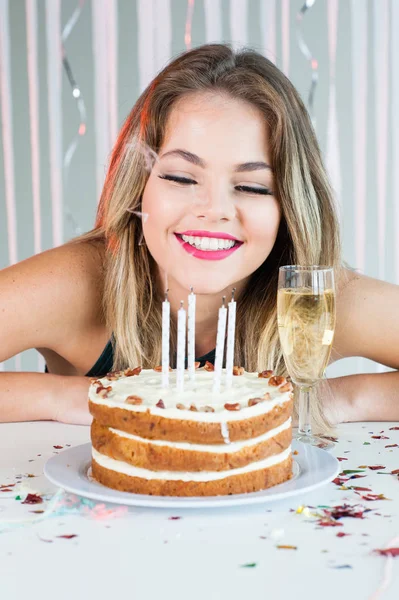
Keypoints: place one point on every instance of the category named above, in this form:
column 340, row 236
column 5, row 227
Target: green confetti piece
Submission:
column 248, row 565
column 366, row 443
column 17, row 497
column 350, row 471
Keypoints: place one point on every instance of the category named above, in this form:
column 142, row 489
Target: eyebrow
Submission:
column 199, row 162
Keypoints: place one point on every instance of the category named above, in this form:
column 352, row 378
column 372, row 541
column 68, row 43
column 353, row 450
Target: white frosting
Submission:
column 126, row 469
column 148, row 386
column 219, row 448
column 224, row 430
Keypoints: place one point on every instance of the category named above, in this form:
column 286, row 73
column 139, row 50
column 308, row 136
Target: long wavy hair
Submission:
column 308, row 232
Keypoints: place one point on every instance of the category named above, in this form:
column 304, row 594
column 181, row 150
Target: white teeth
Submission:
column 206, row 243
column 213, row 244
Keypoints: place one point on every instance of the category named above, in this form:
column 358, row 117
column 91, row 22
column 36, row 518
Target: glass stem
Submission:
column 304, row 421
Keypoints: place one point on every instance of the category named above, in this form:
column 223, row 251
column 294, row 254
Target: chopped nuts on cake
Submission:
column 134, row 400
column 238, row 371
column 288, row 387
column 277, row 380
column 235, row 406
column 131, row 372
column 253, row 401
column 265, row 374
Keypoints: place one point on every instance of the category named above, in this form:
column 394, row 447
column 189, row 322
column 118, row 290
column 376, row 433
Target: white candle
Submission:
column 181, row 348
column 220, row 341
column 230, row 341
column 191, row 335
column 165, row 341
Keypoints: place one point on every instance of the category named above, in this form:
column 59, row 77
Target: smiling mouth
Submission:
column 209, row 244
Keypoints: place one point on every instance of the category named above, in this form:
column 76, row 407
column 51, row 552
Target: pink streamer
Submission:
column 189, row 21
column 7, row 134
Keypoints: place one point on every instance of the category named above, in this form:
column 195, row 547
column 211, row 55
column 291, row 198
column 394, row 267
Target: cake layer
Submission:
column 252, row 478
column 155, row 427
column 180, row 456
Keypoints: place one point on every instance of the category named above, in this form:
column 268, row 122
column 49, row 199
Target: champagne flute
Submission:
column 306, row 324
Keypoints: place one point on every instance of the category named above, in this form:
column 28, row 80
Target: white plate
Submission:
column 70, row 470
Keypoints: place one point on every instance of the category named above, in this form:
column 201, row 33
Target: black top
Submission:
column 106, row 359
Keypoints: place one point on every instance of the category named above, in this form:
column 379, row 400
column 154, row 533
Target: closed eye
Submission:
column 254, row 190
column 240, row 188
column 177, row 179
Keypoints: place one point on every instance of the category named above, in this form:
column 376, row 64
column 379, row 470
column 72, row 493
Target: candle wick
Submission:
column 232, row 293
column 224, row 301
column 166, row 294
column 192, row 289
column 181, row 303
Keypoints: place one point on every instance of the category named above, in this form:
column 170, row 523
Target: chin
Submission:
column 209, row 284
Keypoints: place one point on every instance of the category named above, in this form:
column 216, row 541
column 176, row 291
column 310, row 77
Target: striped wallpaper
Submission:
column 51, row 177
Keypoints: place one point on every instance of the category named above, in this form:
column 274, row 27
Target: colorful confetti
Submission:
column 388, row 552
column 32, row 499
column 249, row 565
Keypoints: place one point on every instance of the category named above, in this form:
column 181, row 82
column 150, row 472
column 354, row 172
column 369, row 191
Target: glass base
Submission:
column 313, row 440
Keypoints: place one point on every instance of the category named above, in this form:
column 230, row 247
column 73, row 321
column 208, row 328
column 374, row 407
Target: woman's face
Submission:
column 213, row 218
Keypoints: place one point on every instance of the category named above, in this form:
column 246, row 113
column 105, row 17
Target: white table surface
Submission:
column 144, row 554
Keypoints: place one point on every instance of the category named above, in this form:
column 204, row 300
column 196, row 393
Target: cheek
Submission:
column 263, row 224
column 163, row 208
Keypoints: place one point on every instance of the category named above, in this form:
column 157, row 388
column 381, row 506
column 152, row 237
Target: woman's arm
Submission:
column 43, row 396
column 50, row 301
column 363, row 397
column 367, row 326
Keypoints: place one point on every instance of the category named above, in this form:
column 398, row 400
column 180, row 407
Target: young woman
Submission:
column 215, row 181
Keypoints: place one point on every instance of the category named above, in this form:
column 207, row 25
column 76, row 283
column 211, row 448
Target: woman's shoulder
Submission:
column 367, row 319
column 52, row 294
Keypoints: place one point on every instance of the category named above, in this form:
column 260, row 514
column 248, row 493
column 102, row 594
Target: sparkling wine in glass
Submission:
column 306, row 324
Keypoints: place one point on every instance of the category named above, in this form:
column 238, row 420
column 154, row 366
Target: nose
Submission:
column 214, row 204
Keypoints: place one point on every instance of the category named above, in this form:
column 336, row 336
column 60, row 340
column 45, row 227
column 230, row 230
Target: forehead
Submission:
column 207, row 124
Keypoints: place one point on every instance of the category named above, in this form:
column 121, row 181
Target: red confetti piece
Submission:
column 392, row 446
column 58, row 447
column 6, row 490
column 360, row 489
column 174, row 518
column 372, row 497
column 357, row 476
column 394, row 429
column 339, row 481
column 68, row 536
column 380, row 437
column 377, row 468
column 32, row 499
column 328, row 523
column 342, row 534
column 160, row 404
column 340, row 458
column 7, row 485
column 396, row 472
column 388, row 552
column 346, row 510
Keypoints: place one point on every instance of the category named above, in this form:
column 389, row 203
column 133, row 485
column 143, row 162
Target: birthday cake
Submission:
column 148, row 439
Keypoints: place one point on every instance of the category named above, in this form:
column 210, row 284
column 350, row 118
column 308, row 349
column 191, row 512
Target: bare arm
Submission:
column 367, row 326
column 48, row 301
column 362, row 397
column 43, row 396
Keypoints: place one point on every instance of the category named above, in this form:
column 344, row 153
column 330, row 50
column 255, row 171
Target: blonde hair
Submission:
column 308, row 232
